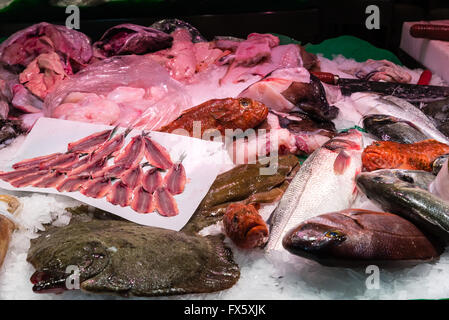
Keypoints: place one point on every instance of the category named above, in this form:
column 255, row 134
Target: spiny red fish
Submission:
column 96, row 188
column 151, row 180
column 395, row 155
column 142, row 201
column 220, row 114
column 244, row 226
column 156, row 154
column 175, row 179
column 89, row 143
column 132, row 154
column 119, row 194
column 165, row 203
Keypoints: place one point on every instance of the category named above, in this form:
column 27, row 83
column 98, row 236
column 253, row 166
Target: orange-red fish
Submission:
column 220, row 114
column 244, row 226
column 394, row 155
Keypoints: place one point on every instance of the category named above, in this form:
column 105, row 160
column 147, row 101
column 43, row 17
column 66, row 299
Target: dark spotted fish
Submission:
column 127, row 259
column 360, row 237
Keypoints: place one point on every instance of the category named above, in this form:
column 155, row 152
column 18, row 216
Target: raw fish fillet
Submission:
column 63, row 159
column 96, row 188
column 28, row 179
column 67, row 168
column 72, row 183
column 142, row 201
column 89, row 143
column 119, row 194
column 34, row 162
column 12, row 175
column 109, row 148
column 152, row 180
column 89, row 168
column 132, row 154
column 175, row 179
column 156, row 154
column 165, row 203
column 114, row 171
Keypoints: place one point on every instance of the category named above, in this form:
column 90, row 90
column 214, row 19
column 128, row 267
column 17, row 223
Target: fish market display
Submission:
column 120, row 257
column 7, row 223
column 244, row 225
column 360, row 237
column 405, row 193
column 86, row 168
column 394, row 155
column 244, row 184
column 389, row 128
column 325, row 181
column 219, row 114
column 440, row 186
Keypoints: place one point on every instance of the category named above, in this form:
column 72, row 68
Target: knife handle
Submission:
column 326, row 77
column 430, row 31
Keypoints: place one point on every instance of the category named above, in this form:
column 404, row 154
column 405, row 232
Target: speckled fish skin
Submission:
column 324, row 183
column 389, row 128
column 394, row 155
column 221, row 114
column 404, row 192
column 244, row 226
column 123, row 258
column 357, row 237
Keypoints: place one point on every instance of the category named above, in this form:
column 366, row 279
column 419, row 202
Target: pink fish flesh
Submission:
column 132, row 177
column 175, row 179
column 151, row 180
column 89, row 143
column 34, row 162
column 72, row 183
column 142, row 201
column 165, row 203
column 119, row 194
column 132, row 154
column 28, row 179
column 157, row 155
column 96, row 188
column 50, row 180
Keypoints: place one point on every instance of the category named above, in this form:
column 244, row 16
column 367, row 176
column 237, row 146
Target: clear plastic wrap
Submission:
column 130, row 91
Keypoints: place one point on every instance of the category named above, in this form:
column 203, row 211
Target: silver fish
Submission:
column 368, row 103
column 325, row 183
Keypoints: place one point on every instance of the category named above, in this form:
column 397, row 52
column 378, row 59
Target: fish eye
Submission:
column 244, row 102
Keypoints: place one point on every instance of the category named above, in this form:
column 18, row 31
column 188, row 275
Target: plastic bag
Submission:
column 129, row 91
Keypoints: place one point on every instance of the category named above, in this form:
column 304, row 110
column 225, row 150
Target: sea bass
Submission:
column 368, row 103
column 404, row 192
column 324, row 183
column 357, row 237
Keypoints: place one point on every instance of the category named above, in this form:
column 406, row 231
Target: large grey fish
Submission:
column 121, row 257
column 405, row 192
column 389, row 128
column 369, row 103
column 357, row 237
column 440, row 186
column 324, row 183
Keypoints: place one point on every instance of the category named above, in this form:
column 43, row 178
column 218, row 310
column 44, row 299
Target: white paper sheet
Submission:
column 203, row 161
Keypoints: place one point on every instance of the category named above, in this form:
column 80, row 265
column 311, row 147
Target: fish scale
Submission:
column 316, row 189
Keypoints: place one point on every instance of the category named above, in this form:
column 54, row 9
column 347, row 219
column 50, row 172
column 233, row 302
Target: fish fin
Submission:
column 342, row 162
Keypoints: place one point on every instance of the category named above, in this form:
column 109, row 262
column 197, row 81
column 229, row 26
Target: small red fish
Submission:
column 89, row 143
column 152, row 180
column 410, row 156
column 132, row 154
column 34, row 162
column 244, row 226
column 132, row 177
column 142, row 201
column 51, row 180
column 64, row 159
column 96, row 188
column 156, row 154
column 72, row 183
column 165, row 203
column 175, row 179
column 28, row 179
column 119, row 194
